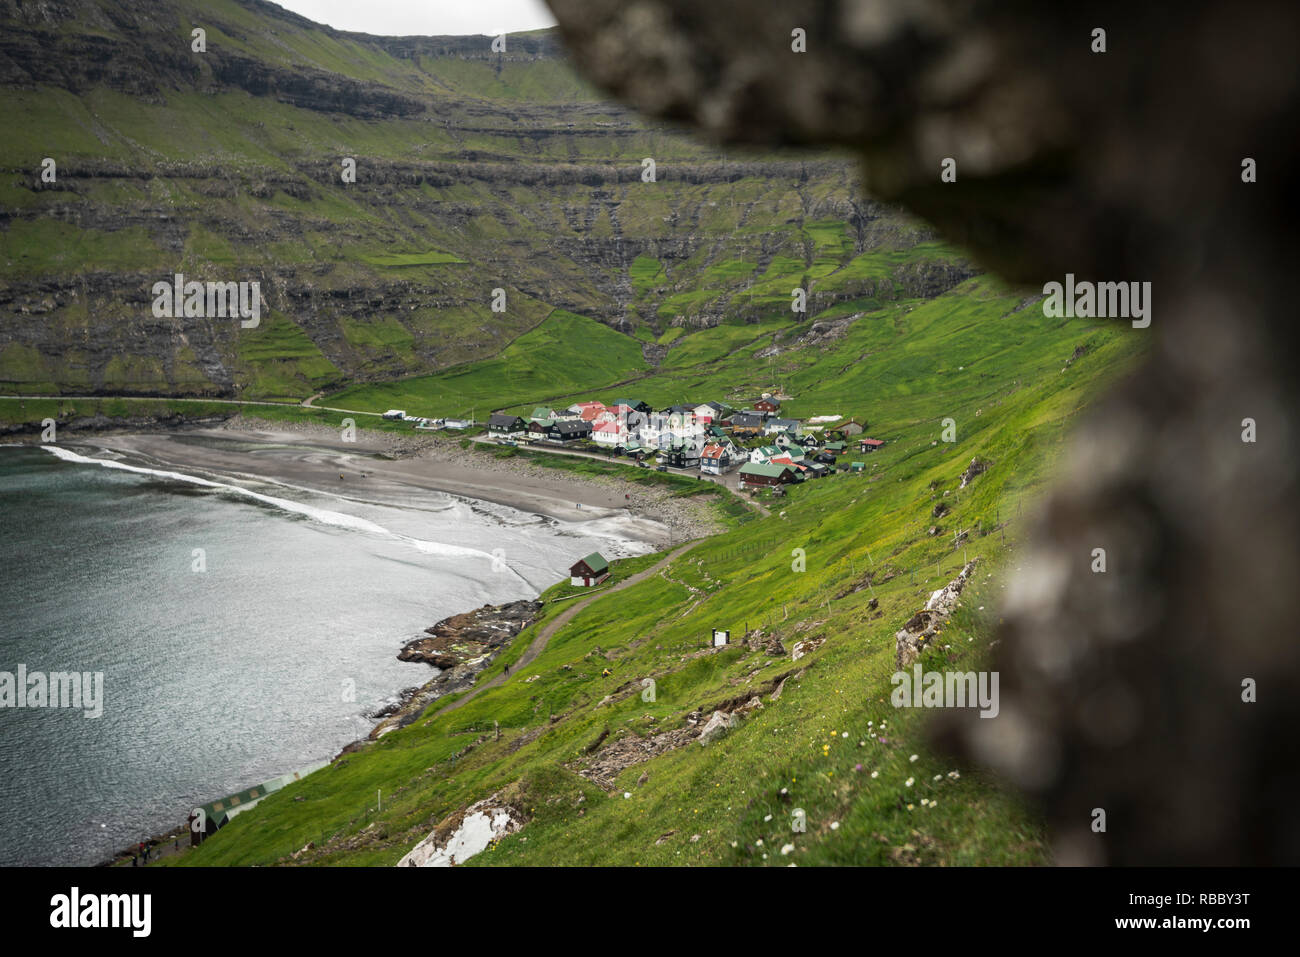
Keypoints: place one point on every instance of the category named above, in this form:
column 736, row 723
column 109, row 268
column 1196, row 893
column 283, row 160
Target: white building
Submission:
column 612, row 433
column 665, row 430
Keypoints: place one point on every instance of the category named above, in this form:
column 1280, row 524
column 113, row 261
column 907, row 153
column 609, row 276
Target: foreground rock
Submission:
column 465, row 834
column 1123, row 689
column 920, row 629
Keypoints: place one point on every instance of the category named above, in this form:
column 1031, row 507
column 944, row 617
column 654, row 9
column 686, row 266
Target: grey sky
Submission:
column 427, row 17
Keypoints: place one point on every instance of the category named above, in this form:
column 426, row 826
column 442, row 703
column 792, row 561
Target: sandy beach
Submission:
column 394, row 469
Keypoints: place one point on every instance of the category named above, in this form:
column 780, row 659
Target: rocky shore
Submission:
column 461, row 647
column 465, row 637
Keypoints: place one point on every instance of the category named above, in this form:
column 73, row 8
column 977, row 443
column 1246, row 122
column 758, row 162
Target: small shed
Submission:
column 591, row 570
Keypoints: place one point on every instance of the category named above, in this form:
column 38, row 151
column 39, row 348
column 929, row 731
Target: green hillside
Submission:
column 478, row 172
column 1013, row 382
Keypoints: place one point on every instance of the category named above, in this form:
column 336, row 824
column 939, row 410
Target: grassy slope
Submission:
column 566, row 353
column 1003, row 375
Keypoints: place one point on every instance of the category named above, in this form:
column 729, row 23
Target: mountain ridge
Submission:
column 173, row 161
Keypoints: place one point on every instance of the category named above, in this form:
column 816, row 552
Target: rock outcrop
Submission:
column 463, row 638
column 465, row 834
column 920, row 629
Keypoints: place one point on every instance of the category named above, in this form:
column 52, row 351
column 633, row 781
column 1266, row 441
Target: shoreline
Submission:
column 393, row 470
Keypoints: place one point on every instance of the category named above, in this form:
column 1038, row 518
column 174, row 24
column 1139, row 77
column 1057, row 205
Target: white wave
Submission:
column 322, row 515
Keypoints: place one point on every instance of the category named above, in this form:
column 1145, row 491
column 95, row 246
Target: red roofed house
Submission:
column 715, row 459
column 611, row 433
column 869, row 445
column 589, row 411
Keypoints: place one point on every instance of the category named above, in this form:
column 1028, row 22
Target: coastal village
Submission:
column 765, row 449
column 761, row 446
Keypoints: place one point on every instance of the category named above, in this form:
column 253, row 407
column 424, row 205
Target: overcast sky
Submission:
column 426, row 17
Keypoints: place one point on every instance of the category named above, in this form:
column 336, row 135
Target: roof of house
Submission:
column 543, row 423
column 770, row 450
column 871, row 442
column 835, row 446
column 776, row 403
column 769, row 471
column 745, row 419
column 612, row 426
column 502, row 418
column 630, row 403
column 713, row 451
column 595, row 561
column 572, row 425
column 782, row 423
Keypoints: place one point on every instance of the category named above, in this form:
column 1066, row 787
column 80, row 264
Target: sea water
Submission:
column 242, row 629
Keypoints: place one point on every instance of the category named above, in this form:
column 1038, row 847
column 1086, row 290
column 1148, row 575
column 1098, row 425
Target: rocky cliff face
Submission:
column 474, row 171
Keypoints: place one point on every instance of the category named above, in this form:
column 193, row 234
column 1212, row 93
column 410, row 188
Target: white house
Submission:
column 662, row 430
column 777, row 426
column 611, row 433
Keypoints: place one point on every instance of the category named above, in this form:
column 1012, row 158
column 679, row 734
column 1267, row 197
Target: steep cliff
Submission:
column 475, row 170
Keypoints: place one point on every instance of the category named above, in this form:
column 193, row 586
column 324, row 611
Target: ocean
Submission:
column 229, row 621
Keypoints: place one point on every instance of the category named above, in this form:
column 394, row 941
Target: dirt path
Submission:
column 542, row 637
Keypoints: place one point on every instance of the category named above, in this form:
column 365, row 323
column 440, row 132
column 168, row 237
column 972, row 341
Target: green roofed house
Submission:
column 753, row 475
column 543, row 414
column 591, row 570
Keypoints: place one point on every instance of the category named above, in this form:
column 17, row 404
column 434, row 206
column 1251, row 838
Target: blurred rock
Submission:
column 1121, row 690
